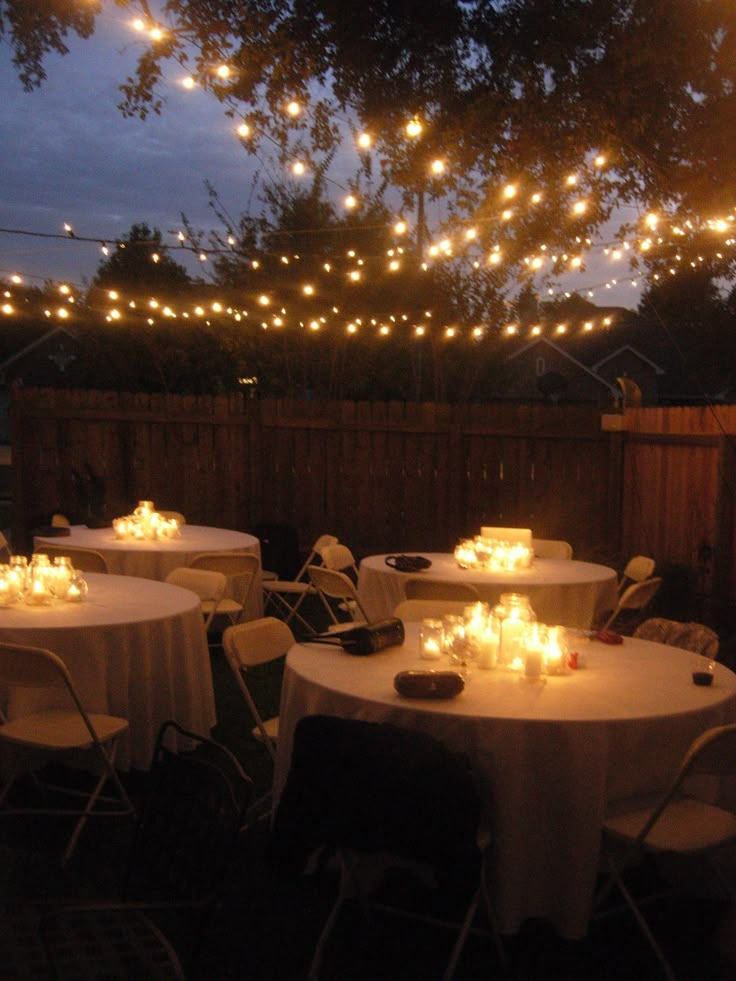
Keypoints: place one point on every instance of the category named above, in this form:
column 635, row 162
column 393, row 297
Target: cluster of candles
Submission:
column 146, row 523
column 506, row 636
column 40, row 581
column 496, row 549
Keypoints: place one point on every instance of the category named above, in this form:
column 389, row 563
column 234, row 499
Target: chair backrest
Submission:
column 637, row 569
column 635, row 597
column 173, row 516
column 83, row 559
column 416, row 610
column 315, row 555
column 639, row 594
column 32, row 667
column 690, row 636
column 332, row 584
column 190, row 821
column 419, row 588
column 208, row 585
column 374, row 786
column 340, row 558
column 240, row 568
column 256, row 642
column 551, row 548
column 36, row 667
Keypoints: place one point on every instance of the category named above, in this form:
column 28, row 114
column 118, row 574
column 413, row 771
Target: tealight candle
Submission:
column 430, row 639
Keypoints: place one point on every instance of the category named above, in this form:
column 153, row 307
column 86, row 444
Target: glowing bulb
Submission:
column 298, row 168
column 394, row 265
column 400, row 228
column 188, row 82
column 156, row 34
column 471, row 234
column 600, row 160
column 571, row 180
column 580, row 207
column 509, row 191
column 308, row 290
column 264, row 300
column 293, row 108
column 413, row 128
column 314, row 325
column 223, row 71
column 7, row 308
column 536, row 197
column 351, row 201
column 244, row 130
column 438, row 167
column 588, row 325
column 507, row 214
column 354, row 275
column 364, row 141
column 651, row 220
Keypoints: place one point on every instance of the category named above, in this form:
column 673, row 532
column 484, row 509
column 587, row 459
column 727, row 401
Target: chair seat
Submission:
column 226, row 605
column 272, row 729
column 60, row 729
column 287, row 586
column 687, row 825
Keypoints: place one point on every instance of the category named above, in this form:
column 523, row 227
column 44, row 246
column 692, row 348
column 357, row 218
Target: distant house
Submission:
column 604, row 367
column 543, row 370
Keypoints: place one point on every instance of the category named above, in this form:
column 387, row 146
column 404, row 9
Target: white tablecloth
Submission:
column 561, row 591
column 134, row 648
column 156, row 559
column 549, row 755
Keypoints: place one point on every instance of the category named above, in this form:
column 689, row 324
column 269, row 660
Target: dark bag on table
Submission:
column 367, row 638
column 408, row 563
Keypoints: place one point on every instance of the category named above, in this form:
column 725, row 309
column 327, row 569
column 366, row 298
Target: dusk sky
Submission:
column 68, row 155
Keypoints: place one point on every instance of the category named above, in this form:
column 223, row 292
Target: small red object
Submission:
column 572, row 661
column 608, row 637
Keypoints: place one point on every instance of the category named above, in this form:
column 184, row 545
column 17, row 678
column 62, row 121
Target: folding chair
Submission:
column 333, row 585
column 431, row 589
column 248, row 645
column 208, row 585
column 83, row 559
column 57, row 730
column 241, row 570
column 181, row 853
column 673, row 822
column 378, row 796
column 285, row 596
column 637, row 596
column 551, row 548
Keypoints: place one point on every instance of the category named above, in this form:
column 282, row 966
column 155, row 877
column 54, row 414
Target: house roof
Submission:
column 547, row 342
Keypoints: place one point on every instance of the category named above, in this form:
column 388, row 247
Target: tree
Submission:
column 140, row 265
column 521, row 93
column 690, row 315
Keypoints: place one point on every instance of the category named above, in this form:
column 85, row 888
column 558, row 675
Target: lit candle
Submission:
column 430, row 639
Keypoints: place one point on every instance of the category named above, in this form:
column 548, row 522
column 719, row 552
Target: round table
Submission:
column 561, row 591
column 134, row 648
column 156, row 559
column 549, row 755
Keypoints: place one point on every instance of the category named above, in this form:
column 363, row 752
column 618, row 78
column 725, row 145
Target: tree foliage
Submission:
column 522, row 91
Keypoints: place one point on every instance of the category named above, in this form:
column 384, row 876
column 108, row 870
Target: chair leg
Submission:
column 108, row 773
column 617, row 880
column 344, row 889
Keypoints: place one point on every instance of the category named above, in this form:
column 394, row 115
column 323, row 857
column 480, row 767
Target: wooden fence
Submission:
column 393, row 476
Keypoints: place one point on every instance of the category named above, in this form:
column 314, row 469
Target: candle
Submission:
column 533, row 663
column 430, row 639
